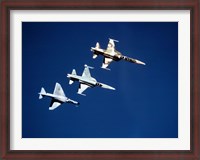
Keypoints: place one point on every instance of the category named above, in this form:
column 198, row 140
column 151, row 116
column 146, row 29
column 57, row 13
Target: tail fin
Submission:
column 42, row 92
column 73, row 73
column 94, row 50
column 97, row 45
column 58, row 90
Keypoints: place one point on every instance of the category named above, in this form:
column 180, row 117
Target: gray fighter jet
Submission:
column 58, row 97
column 111, row 54
column 86, row 80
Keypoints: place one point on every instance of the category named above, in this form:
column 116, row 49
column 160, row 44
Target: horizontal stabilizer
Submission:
column 94, row 56
column 70, row 81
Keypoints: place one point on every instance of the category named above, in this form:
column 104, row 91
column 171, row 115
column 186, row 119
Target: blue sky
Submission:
column 145, row 103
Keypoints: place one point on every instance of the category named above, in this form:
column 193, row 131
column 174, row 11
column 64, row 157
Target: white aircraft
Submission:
column 86, row 80
column 111, row 54
column 58, row 97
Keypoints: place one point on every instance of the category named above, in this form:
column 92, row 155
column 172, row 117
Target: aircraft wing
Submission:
column 82, row 87
column 86, row 72
column 111, row 46
column 58, row 90
column 54, row 104
column 106, row 62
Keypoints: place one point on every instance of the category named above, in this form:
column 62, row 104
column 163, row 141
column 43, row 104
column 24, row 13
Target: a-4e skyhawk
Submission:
column 111, row 54
column 58, row 97
column 86, row 80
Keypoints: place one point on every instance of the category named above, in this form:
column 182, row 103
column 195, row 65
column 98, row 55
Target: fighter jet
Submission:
column 86, row 80
column 58, row 97
column 111, row 54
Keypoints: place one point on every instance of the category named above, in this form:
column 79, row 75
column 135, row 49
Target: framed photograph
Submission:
column 100, row 79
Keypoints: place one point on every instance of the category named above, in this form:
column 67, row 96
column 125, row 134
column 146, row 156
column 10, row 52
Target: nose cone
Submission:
column 140, row 62
column 111, row 88
column 107, row 86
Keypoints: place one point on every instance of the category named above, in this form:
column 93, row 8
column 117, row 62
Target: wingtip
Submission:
column 113, row 39
column 88, row 66
column 108, row 69
column 81, row 94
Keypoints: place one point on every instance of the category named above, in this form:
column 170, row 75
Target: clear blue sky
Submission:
column 145, row 103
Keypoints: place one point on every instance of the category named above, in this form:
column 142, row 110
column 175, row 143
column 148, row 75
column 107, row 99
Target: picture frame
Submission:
column 8, row 5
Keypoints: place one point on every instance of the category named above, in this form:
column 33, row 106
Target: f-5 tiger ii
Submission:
column 111, row 54
column 86, row 80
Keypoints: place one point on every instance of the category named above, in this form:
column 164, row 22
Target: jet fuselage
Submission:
column 116, row 56
column 59, row 98
column 90, row 82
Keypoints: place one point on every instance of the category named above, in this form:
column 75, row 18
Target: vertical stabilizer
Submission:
column 74, row 72
column 42, row 93
column 97, row 45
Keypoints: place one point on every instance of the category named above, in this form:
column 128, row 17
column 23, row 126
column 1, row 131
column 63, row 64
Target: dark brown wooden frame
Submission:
column 7, row 5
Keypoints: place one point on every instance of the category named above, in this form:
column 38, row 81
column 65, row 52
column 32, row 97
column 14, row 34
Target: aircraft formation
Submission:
column 86, row 80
